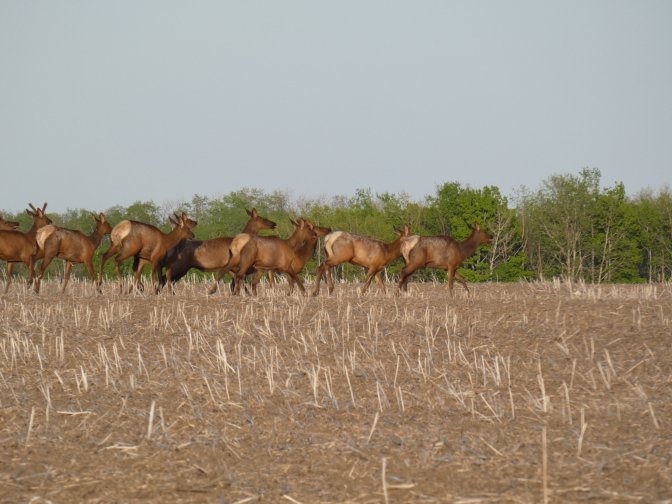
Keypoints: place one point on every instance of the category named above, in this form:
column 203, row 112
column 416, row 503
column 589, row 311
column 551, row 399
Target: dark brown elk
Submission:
column 270, row 253
column 303, row 254
column 149, row 243
column 208, row 255
column 74, row 247
column 6, row 225
column 16, row 246
column 441, row 252
column 341, row 247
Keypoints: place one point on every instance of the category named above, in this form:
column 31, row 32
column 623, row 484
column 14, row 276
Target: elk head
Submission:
column 481, row 236
column 102, row 226
column 258, row 221
column 40, row 219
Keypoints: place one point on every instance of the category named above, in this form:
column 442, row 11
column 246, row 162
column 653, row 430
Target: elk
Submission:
column 150, row 244
column 441, row 252
column 303, row 254
column 16, row 246
column 74, row 247
column 370, row 253
column 6, row 225
column 208, row 255
column 270, row 253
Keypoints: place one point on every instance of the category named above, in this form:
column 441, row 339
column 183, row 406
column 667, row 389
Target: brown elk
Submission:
column 270, row 253
column 441, row 252
column 74, row 247
column 370, row 253
column 303, row 254
column 16, row 246
column 149, row 243
column 208, row 255
column 6, row 225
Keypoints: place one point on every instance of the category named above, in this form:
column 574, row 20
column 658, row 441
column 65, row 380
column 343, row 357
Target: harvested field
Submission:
column 516, row 393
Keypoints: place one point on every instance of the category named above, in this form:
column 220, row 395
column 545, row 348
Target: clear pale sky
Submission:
column 109, row 102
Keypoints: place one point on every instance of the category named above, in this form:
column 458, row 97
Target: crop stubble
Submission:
column 515, row 393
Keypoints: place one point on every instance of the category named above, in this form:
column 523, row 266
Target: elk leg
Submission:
column 243, row 267
column 10, row 269
column 255, row 280
column 379, row 281
column 330, row 281
column 43, row 267
column 415, row 262
column 117, row 268
column 271, row 279
column 121, row 256
column 137, row 277
column 218, row 277
column 462, row 281
column 451, row 280
column 169, row 280
column 406, row 273
column 31, row 269
column 296, row 278
column 371, row 273
column 66, row 277
column 110, row 252
column 155, row 277
column 318, row 278
column 88, row 262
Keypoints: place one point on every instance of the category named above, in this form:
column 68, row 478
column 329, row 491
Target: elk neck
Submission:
column 468, row 247
column 392, row 250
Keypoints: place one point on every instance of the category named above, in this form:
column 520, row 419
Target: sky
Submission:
column 107, row 103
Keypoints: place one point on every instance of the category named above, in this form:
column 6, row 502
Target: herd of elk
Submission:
column 275, row 254
column 208, row 255
column 150, row 245
column 17, row 246
column 372, row 254
column 245, row 254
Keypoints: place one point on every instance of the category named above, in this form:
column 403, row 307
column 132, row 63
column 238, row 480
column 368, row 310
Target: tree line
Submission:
column 571, row 227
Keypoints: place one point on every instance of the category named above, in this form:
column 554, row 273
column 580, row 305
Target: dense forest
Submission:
column 571, row 227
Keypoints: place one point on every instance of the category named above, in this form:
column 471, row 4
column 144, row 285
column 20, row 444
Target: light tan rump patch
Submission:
column 120, row 231
column 43, row 234
column 329, row 241
column 407, row 244
column 237, row 244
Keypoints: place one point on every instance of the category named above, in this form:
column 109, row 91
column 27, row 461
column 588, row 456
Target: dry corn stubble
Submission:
column 518, row 392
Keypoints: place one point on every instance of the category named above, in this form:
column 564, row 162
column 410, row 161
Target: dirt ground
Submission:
column 514, row 393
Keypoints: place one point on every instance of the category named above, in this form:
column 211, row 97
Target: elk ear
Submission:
column 101, row 216
column 407, row 230
column 477, row 226
column 95, row 219
column 294, row 223
column 172, row 220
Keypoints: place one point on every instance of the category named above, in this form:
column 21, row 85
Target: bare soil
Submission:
column 514, row 393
